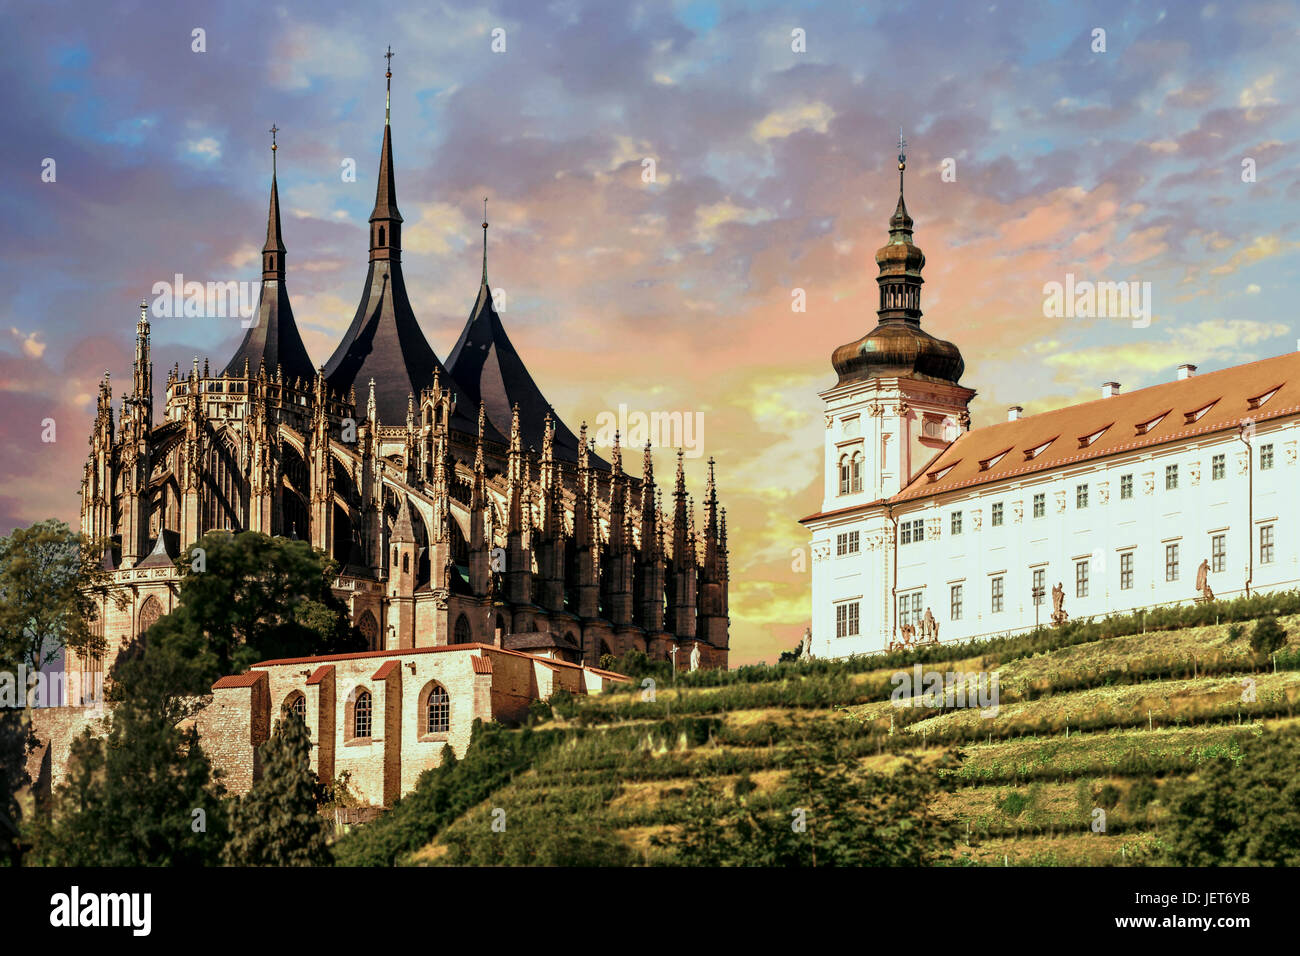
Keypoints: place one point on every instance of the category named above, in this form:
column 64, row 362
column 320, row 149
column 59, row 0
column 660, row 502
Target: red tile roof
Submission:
column 482, row 665
column 239, row 680
column 1170, row 412
column 319, row 674
column 386, row 668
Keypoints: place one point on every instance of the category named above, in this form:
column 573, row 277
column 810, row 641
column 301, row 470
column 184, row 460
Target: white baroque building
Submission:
column 1118, row 500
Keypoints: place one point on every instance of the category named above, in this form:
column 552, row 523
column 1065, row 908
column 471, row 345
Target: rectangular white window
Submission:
column 1040, row 586
column 1040, row 504
column 846, row 619
column 1125, row 487
column 1081, row 579
column 954, row 605
column 1081, row 496
column 1218, row 467
column 1218, row 552
column 1171, row 477
column 916, row 608
column 853, row 542
column 997, row 594
column 1266, row 544
column 904, row 606
column 997, row 514
column 1126, row 571
column 1266, row 457
column 956, row 522
column 841, row 545
column 1171, row 562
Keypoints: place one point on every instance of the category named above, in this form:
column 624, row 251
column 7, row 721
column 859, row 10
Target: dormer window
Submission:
column 1086, row 440
column 988, row 463
column 1259, row 400
column 1193, row 417
column 940, row 473
column 1032, row 453
column 1146, row 427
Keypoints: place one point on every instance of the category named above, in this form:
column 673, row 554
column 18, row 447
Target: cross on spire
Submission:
column 388, row 77
column 273, row 130
column 902, row 161
column 485, row 228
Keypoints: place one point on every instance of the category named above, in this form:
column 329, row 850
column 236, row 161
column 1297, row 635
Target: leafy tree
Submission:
column 831, row 813
column 141, row 795
column 14, row 739
column 277, row 823
column 1240, row 812
column 49, row 577
column 257, row 598
column 1268, row 636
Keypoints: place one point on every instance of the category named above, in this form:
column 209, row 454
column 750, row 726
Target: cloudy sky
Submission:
column 774, row 171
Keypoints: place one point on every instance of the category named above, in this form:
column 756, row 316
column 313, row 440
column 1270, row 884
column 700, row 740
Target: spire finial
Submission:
column 902, row 159
column 485, row 228
column 273, row 130
column 388, row 76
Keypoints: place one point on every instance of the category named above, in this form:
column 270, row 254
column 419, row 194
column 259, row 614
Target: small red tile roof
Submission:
column 386, row 668
column 239, row 680
column 319, row 674
column 482, row 665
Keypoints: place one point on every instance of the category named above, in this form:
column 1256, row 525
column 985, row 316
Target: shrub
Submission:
column 1268, row 636
column 1107, row 796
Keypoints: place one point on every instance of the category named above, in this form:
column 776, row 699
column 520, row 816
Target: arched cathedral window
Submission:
column 856, row 480
column 222, row 486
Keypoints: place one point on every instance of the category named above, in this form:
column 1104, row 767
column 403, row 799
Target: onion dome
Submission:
column 898, row 346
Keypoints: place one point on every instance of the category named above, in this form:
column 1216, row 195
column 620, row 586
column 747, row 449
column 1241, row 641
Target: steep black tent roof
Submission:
column 273, row 338
column 486, row 366
column 385, row 342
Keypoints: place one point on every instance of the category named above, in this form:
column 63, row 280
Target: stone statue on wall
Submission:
column 1203, row 583
column 805, row 646
column 1059, row 615
column 695, row 657
column 930, row 628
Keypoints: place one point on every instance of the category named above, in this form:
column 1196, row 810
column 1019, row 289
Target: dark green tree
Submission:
column 1241, row 811
column 143, row 794
column 830, row 812
column 49, row 579
column 1267, row 636
column 15, row 733
column 255, row 598
column 277, row 823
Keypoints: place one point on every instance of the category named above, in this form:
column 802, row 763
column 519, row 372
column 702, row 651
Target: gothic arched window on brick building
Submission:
column 150, row 611
column 463, row 634
column 436, row 710
column 359, row 715
column 297, row 703
column 369, row 630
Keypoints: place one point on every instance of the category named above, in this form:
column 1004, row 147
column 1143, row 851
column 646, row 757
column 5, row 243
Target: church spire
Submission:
column 900, row 261
column 485, row 228
column 273, row 252
column 385, row 220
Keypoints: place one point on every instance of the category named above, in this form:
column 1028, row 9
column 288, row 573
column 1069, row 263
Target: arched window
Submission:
column 150, row 611
column 437, row 710
column 361, row 711
column 856, row 483
column 463, row 634
column 369, row 630
column 297, row 703
column 844, row 475
column 406, row 564
column 223, row 489
column 381, row 235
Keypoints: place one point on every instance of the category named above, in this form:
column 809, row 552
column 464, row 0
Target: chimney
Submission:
column 1186, row 371
column 1015, row 413
column 1109, row 389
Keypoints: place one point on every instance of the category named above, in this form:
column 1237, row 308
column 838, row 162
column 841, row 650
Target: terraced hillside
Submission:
column 1092, row 716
